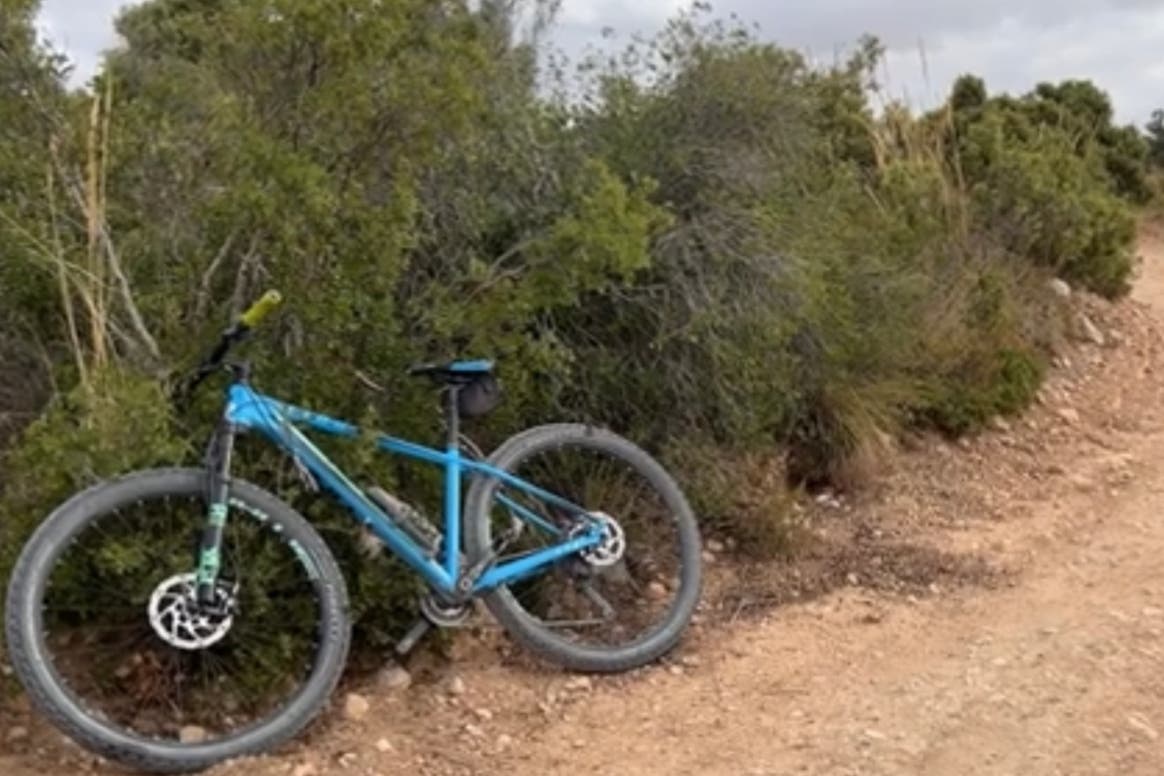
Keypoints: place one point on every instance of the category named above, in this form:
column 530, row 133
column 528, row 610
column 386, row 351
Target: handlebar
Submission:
column 251, row 318
column 260, row 309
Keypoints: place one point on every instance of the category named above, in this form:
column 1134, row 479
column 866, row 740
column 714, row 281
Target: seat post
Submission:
column 452, row 416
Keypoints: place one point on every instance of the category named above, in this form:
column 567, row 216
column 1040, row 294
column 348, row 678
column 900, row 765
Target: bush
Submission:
column 712, row 246
column 122, row 422
column 999, row 383
column 741, row 495
column 1053, row 179
column 1043, row 201
column 117, row 423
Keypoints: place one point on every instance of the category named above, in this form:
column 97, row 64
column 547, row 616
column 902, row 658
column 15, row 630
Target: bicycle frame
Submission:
column 280, row 422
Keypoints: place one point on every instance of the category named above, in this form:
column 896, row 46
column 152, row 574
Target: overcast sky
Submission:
column 1012, row 43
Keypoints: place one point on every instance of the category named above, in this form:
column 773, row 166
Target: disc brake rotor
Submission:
column 180, row 622
column 610, row 550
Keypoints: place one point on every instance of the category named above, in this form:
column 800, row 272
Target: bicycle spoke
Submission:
column 107, row 650
column 608, row 611
column 614, row 598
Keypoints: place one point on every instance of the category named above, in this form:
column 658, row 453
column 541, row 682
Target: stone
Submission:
column 1082, row 482
column 504, row 741
column 474, row 730
column 483, row 714
column 456, row 686
column 1069, row 414
column 17, row 733
column 192, row 734
column 384, row 746
column 1060, row 288
column 1089, row 332
column 1141, row 726
column 356, row 707
column 369, row 544
column 580, row 683
column 656, row 590
column 393, row 678
column 715, row 546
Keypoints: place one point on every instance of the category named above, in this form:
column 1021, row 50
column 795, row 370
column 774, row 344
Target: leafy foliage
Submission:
column 1053, row 177
column 1155, row 137
column 84, row 435
column 708, row 243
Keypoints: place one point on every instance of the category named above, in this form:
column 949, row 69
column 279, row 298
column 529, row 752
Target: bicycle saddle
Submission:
column 454, row 372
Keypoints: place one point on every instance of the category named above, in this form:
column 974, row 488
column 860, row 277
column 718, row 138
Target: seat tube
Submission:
column 217, row 497
column 452, row 486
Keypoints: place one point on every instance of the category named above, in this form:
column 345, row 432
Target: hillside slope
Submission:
column 1046, row 660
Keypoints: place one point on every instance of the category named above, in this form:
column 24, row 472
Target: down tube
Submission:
column 351, row 496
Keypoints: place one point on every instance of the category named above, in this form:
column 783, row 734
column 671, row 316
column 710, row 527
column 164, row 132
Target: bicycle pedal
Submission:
column 417, row 632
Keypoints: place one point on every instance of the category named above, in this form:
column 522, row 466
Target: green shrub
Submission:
column 122, row 422
column 1042, row 201
column 1155, row 139
column 711, row 245
column 1053, row 179
column 741, row 495
column 118, row 423
column 1085, row 112
column 999, row 383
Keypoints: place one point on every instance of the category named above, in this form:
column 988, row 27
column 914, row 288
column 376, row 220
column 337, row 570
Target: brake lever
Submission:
column 229, row 338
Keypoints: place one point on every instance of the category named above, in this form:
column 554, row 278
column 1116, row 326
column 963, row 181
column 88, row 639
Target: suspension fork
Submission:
column 218, row 458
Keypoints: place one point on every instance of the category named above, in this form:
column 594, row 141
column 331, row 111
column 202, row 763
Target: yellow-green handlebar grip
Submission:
column 260, row 309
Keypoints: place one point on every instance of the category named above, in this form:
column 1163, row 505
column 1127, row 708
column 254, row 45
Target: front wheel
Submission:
column 618, row 607
column 105, row 633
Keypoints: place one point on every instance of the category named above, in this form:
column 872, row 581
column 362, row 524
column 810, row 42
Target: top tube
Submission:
column 250, row 409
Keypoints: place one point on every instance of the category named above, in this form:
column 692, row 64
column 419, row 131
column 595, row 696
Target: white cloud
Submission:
column 1011, row 43
column 82, row 28
column 1118, row 48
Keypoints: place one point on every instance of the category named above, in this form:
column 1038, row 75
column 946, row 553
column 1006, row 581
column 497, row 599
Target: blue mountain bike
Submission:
column 227, row 631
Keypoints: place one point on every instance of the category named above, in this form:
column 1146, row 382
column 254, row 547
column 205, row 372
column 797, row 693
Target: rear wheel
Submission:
column 104, row 632
column 619, row 606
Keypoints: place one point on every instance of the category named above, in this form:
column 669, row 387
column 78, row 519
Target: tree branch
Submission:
column 203, row 299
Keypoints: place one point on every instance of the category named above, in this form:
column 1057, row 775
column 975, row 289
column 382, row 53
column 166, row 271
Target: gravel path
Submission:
column 1056, row 668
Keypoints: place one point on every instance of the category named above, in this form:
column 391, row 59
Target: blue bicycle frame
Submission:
column 281, row 422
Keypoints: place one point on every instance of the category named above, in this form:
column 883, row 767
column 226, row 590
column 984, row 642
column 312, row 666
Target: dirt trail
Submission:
column 1063, row 673
column 1057, row 669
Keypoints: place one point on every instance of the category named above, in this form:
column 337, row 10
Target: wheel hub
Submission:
column 181, row 622
column 610, row 550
